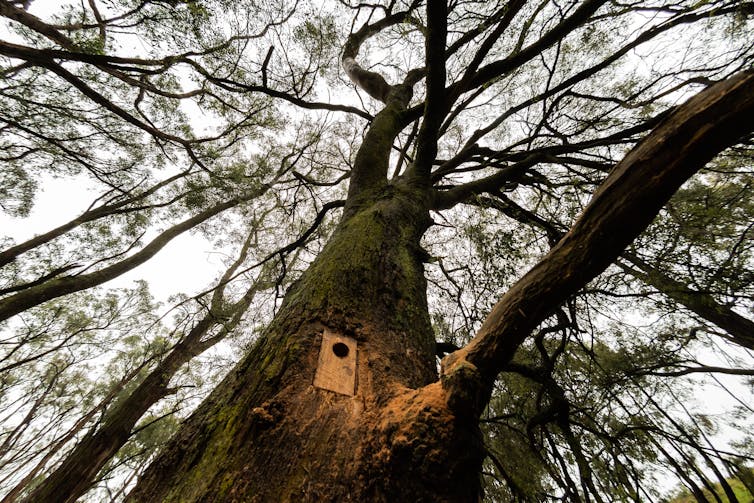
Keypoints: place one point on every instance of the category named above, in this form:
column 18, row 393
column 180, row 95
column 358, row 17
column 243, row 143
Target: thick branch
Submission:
column 33, row 22
column 372, row 160
column 492, row 183
column 524, row 160
column 372, row 83
column 435, row 105
column 740, row 329
column 113, row 65
column 58, row 287
column 701, row 369
column 8, row 255
column 516, row 212
column 622, row 207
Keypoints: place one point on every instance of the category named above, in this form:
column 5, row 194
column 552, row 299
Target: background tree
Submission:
column 560, row 189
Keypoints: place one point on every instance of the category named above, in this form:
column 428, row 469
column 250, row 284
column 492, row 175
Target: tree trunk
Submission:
column 268, row 434
column 77, row 472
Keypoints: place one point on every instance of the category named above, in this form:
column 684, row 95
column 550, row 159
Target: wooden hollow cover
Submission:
column 336, row 369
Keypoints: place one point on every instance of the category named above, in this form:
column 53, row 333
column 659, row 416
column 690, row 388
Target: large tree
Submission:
column 552, row 196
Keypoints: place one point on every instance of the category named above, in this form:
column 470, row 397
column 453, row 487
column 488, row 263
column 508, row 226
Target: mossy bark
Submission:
column 267, row 434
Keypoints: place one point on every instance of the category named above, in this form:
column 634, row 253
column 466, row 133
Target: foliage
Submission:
column 235, row 122
column 741, row 492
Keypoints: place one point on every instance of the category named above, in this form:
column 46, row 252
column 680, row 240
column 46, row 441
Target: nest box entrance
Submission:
column 336, row 368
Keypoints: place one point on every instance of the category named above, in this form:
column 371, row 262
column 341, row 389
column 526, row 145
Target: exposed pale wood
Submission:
column 336, row 371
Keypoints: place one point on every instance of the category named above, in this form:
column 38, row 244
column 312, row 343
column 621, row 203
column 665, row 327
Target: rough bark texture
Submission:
column 267, row 434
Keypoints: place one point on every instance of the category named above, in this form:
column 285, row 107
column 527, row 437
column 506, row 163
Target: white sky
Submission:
column 186, row 264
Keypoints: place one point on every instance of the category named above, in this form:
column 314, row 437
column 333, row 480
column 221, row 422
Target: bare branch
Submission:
column 620, row 209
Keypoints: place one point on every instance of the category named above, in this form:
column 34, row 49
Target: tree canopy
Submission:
column 588, row 167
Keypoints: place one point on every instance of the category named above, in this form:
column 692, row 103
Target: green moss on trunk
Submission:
column 267, row 434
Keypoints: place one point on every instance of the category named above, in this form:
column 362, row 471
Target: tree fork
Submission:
column 403, row 434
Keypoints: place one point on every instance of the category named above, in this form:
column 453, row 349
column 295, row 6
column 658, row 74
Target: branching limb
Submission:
column 622, row 207
column 372, row 83
column 49, row 290
column 740, row 329
column 435, row 105
column 118, row 207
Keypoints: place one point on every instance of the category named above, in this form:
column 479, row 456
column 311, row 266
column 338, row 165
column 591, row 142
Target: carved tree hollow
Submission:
column 340, row 350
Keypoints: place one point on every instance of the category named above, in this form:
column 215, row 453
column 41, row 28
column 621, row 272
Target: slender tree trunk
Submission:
column 78, row 471
column 268, row 434
column 55, row 448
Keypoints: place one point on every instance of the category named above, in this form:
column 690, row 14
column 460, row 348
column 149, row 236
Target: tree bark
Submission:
column 268, row 434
